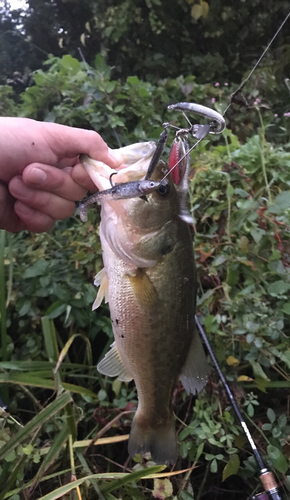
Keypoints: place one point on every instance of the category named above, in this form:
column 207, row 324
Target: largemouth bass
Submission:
column 149, row 280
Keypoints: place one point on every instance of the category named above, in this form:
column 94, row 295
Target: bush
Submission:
column 239, row 196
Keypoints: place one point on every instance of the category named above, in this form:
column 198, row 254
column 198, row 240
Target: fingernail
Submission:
column 68, row 169
column 37, row 176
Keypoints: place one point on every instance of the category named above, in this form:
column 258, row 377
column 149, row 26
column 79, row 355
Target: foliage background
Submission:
column 138, row 57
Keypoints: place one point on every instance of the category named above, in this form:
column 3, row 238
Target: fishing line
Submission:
column 233, row 96
column 266, row 477
column 256, row 65
column 182, row 158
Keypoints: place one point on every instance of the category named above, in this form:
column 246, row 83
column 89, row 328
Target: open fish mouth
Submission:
column 136, row 159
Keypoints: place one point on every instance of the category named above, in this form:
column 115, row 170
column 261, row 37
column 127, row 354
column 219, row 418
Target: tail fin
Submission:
column 160, row 441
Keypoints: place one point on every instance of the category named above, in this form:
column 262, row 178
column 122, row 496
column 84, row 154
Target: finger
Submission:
column 69, row 142
column 8, row 218
column 80, row 176
column 33, row 220
column 53, row 180
column 48, row 203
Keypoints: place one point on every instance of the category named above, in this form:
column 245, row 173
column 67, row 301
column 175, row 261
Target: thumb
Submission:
column 80, row 141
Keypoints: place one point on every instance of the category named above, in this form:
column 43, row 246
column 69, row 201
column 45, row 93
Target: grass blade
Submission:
column 89, row 472
column 38, row 365
column 24, row 433
column 65, row 349
column 53, row 453
column 49, row 338
column 26, row 379
column 122, row 479
column 133, row 477
column 51, row 348
column 30, row 483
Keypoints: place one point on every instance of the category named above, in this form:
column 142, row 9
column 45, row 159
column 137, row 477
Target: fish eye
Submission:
column 163, row 189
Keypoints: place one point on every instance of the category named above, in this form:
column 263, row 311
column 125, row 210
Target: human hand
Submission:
column 33, row 192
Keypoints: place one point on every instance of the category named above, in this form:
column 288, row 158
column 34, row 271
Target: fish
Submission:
column 149, row 281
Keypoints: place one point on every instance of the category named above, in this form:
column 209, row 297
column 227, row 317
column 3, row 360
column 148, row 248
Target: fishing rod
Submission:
column 267, row 478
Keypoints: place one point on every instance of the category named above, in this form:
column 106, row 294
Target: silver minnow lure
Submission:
column 218, row 122
column 121, row 191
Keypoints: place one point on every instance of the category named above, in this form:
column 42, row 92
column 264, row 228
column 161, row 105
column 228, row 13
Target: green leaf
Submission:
column 286, row 308
column 133, row 80
column 27, row 450
column 25, row 308
column 232, row 466
column 102, row 395
column 277, row 458
column 199, row 451
column 278, row 288
column 282, row 203
column 56, row 309
column 271, row 415
column 213, row 466
column 37, row 269
column 282, row 420
column 70, row 63
column 257, row 234
column 219, row 260
column 230, row 191
column 258, row 370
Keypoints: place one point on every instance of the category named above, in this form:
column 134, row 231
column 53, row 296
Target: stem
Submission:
column 263, row 158
column 228, row 148
column 72, row 463
column 10, row 272
column 257, row 427
column 203, row 482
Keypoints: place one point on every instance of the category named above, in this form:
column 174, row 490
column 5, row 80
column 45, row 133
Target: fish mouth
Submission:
column 136, row 159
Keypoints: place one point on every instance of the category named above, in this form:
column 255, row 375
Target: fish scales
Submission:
column 151, row 286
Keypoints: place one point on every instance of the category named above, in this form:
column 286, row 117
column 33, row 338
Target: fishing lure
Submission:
column 121, row 191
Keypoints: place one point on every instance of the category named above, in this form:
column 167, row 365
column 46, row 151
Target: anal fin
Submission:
column 195, row 370
column 112, row 365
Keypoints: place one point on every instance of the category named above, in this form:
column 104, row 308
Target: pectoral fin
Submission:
column 101, row 280
column 143, row 288
column 112, row 365
column 195, row 370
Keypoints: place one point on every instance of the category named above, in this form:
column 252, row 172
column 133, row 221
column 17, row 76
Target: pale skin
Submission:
column 40, row 173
